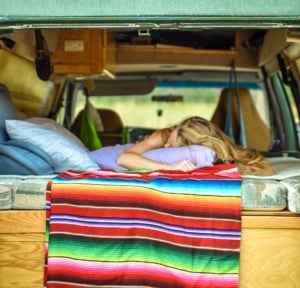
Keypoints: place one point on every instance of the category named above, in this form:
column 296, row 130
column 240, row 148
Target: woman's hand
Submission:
column 184, row 165
column 132, row 158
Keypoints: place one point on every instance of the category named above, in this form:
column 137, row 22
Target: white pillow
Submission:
column 53, row 126
column 64, row 151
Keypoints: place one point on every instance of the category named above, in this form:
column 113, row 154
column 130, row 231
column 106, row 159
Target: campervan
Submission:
column 101, row 73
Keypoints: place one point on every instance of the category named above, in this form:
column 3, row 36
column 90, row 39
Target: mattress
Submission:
column 272, row 193
column 292, row 186
column 29, row 194
column 5, row 197
column 8, row 187
column 23, row 192
column 258, row 194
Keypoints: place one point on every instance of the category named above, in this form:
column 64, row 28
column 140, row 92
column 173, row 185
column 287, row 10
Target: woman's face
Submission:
column 172, row 141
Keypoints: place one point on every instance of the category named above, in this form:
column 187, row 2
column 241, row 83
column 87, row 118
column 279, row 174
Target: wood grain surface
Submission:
column 270, row 249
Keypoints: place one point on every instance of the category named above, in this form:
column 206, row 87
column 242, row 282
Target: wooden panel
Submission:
column 270, row 249
column 17, row 221
column 82, row 52
column 270, row 258
column 22, row 237
column 162, row 48
column 72, row 69
column 126, row 57
column 271, row 222
column 22, row 249
column 166, row 54
column 274, row 43
column 21, row 264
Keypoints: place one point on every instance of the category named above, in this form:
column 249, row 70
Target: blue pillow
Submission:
column 7, row 111
column 64, row 151
column 21, row 158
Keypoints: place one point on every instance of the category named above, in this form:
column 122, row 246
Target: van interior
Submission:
column 173, row 73
column 135, row 79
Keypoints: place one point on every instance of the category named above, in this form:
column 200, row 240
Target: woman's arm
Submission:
column 132, row 158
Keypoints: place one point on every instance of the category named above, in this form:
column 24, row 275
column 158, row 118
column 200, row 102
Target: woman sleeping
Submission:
column 193, row 143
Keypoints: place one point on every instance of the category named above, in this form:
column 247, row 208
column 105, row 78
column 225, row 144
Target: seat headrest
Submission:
column 111, row 121
column 7, row 111
column 254, row 124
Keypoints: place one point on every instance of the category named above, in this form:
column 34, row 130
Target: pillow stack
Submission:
column 64, row 148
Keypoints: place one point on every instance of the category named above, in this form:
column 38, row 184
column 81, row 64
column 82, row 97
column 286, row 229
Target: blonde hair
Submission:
column 197, row 130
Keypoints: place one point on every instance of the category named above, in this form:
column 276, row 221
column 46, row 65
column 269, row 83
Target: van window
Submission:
column 172, row 101
column 294, row 109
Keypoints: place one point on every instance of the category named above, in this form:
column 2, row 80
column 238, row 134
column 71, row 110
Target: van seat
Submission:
column 113, row 128
column 257, row 132
column 112, row 132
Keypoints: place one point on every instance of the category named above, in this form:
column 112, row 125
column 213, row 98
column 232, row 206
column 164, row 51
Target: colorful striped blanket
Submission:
column 144, row 229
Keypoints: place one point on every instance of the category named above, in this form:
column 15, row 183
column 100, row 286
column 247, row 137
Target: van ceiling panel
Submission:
column 182, row 14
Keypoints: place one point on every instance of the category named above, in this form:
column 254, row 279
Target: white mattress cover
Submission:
column 287, row 174
column 285, row 167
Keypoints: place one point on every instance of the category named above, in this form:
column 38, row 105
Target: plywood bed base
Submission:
column 270, row 249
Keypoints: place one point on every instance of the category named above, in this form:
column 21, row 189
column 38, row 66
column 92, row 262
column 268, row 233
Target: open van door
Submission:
column 149, row 63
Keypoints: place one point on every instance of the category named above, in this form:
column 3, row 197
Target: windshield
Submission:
column 172, row 101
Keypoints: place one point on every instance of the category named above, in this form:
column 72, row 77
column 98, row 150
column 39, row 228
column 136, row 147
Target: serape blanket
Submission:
column 144, row 229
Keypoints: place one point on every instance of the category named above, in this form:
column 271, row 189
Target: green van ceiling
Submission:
column 186, row 14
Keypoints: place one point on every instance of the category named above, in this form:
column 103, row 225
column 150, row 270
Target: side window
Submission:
column 294, row 109
column 284, row 113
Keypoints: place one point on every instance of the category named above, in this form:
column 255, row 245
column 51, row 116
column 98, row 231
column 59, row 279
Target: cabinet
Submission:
column 270, row 249
column 172, row 55
column 84, row 52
